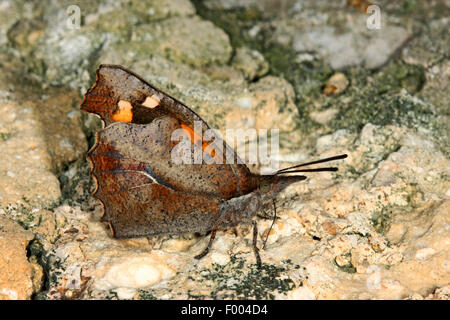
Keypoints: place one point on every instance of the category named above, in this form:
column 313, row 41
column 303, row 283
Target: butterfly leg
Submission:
column 273, row 221
column 255, row 248
column 211, row 239
column 213, row 235
column 156, row 241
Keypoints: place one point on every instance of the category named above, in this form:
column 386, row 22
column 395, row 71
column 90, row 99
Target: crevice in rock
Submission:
column 36, row 249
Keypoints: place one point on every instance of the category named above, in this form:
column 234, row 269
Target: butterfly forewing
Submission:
column 119, row 95
column 142, row 190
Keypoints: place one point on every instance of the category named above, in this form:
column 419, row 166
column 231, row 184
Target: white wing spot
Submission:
column 151, row 102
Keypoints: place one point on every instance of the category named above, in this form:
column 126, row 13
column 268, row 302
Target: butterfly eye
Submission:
column 264, row 186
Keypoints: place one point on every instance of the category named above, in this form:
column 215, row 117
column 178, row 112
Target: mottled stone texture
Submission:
column 19, row 278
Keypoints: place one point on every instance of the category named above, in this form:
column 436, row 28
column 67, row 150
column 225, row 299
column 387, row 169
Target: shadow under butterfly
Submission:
column 143, row 192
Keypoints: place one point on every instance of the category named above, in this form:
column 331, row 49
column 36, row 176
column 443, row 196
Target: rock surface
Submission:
column 376, row 229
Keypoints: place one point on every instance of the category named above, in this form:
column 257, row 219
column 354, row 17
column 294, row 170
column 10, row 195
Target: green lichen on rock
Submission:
column 307, row 77
column 146, row 295
column 374, row 96
column 235, row 22
column 383, row 110
column 238, row 280
column 344, row 263
column 398, row 75
column 76, row 184
column 175, row 40
column 381, row 220
column 36, row 249
column 5, row 135
column 250, row 62
column 387, row 118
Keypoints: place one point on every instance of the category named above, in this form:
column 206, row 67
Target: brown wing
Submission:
column 136, row 200
column 119, row 95
column 115, row 83
column 144, row 211
column 134, row 205
column 147, row 149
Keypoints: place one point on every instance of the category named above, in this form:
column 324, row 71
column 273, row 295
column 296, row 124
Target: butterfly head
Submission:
column 269, row 186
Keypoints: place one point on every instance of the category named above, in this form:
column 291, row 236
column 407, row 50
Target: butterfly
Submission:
column 143, row 192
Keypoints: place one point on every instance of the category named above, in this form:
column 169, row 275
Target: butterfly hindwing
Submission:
column 142, row 190
column 143, row 211
column 134, row 196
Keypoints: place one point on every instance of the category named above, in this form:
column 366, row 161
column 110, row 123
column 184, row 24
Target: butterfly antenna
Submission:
column 311, row 170
column 289, row 169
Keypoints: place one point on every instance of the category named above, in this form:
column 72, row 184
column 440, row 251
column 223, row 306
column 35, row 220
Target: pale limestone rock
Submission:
column 301, row 293
column 250, row 62
column 336, row 84
column 369, row 237
column 378, row 228
column 25, row 157
column 174, row 39
column 269, row 103
column 440, row 293
column 135, row 272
